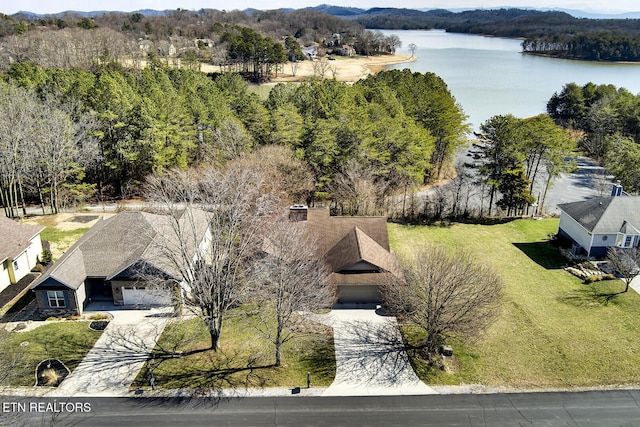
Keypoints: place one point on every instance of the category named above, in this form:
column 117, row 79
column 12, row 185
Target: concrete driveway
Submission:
column 370, row 356
column 116, row 358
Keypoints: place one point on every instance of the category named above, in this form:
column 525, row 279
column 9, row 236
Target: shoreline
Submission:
column 571, row 58
column 348, row 70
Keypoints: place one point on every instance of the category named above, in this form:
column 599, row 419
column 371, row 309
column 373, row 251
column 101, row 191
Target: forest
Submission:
column 198, row 33
column 89, row 112
column 67, row 136
column 549, row 33
column 606, row 121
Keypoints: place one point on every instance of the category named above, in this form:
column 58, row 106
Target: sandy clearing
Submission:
column 342, row 69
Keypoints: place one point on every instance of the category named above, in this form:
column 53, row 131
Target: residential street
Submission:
column 594, row 408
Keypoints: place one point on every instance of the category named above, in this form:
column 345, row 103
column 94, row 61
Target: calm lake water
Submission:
column 489, row 75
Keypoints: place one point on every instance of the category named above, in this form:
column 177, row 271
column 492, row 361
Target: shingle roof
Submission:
column 116, row 243
column 331, row 229
column 347, row 241
column 360, row 279
column 605, row 215
column 356, row 247
column 15, row 237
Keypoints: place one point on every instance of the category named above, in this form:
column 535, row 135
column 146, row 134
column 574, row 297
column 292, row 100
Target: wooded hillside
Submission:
column 70, row 135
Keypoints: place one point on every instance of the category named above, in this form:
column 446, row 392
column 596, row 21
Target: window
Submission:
column 627, row 241
column 15, row 265
column 56, row 299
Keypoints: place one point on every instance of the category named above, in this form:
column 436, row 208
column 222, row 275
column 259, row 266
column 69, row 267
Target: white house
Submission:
column 595, row 225
column 20, row 250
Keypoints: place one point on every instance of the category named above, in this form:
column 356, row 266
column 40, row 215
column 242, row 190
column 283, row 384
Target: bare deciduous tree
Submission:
column 354, row 189
column 321, row 67
column 214, row 271
column 412, row 48
column 626, row 262
column 445, row 294
column 289, row 277
column 284, row 174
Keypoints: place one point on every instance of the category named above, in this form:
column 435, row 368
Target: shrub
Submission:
column 47, row 257
column 598, row 277
column 99, row 316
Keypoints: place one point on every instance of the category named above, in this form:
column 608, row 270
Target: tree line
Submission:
column 507, row 171
column 125, row 124
column 606, row 121
column 601, row 46
column 549, row 33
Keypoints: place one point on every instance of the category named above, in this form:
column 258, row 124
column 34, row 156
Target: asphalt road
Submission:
column 593, row 408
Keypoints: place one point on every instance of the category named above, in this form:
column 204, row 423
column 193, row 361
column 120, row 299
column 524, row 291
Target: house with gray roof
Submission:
column 595, row 225
column 125, row 259
column 356, row 250
column 20, row 250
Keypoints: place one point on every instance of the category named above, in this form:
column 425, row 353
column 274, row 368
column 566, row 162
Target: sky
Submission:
column 54, row 6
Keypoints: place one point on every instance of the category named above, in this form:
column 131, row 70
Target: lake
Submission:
column 490, row 75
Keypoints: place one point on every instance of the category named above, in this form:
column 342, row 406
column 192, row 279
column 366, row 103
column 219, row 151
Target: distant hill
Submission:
column 354, row 12
column 338, row 10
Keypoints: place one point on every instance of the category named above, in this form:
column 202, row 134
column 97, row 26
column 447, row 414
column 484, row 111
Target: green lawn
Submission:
column 66, row 341
column 55, row 235
column 553, row 330
column 244, row 358
column 61, row 240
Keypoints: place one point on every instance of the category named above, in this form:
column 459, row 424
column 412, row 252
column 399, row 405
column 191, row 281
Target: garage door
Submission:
column 358, row 294
column 133, row 296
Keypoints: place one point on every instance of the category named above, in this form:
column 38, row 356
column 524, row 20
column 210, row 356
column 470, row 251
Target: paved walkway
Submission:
column 370, row 356
column 116, row 358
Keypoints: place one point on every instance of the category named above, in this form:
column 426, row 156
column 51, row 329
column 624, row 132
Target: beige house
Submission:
column 20, row 250
column 356, row 250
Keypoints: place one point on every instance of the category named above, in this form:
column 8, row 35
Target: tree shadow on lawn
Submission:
column 42, row 344
column 320, row 359
column 543, row 253
column 205, row 372
column 589, row 296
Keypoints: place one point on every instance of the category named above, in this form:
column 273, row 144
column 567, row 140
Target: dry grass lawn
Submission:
column 554, row 331
column 244, row 360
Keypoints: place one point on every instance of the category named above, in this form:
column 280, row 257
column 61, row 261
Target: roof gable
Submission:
column 329, row 230
column 357, row 247
column 69, row 271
